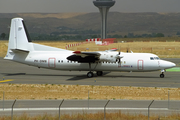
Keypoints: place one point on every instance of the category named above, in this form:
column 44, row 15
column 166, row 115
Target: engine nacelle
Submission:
column 86, row 59
column 108, row 57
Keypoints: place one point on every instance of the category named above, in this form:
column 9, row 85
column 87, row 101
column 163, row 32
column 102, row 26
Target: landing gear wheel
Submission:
column 90, row 74
column 99, row 73
column 162, row 75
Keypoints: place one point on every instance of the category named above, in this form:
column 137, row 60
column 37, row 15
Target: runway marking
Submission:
column 5, row 81
column 175, row 69
column 40, row 109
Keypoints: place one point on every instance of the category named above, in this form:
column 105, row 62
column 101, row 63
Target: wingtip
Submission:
column 77, row 52
column 114, row 49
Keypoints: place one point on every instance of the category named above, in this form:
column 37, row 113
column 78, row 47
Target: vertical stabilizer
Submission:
column 19, row 39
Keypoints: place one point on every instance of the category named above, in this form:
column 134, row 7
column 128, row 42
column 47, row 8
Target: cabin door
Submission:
column 52, row 62
column 140, row 64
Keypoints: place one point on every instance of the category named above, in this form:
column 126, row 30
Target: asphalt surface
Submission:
column 24, row 74
column 35, row 107
column 16, row 73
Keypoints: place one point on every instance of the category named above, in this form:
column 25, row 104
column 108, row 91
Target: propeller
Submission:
column 118, row 56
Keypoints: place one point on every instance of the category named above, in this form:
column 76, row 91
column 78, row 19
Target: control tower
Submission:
column 104, row 6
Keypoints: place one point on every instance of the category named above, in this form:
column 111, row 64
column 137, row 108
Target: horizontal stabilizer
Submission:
column 19, row 50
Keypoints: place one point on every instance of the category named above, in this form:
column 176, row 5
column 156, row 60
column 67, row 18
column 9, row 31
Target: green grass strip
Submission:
column 175, row 69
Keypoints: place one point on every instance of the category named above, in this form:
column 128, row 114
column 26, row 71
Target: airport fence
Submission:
column 103, row 108
column 166, row 106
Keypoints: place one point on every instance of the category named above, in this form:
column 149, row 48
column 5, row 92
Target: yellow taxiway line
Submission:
column 5, row 81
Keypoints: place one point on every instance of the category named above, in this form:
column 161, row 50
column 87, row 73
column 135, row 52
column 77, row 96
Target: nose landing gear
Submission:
column 162, row 74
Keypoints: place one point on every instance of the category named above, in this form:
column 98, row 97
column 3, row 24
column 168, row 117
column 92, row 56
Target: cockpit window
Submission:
column 154, row 58
column 151, row 58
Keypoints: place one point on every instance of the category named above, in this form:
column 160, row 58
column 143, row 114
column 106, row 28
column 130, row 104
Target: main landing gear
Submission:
column 91, row 74
column 99, row 73
column 162, row 74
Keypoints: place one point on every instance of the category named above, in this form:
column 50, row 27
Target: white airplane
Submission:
column 22, row 50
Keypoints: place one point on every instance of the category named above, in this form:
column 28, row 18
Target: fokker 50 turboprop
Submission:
column 22, row 50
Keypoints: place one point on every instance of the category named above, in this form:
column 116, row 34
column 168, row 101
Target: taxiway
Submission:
column 16, row 73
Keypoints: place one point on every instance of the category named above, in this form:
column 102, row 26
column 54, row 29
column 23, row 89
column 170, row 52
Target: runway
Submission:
column 16, row 73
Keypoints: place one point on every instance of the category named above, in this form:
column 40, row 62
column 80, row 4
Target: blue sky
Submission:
column 61, row 6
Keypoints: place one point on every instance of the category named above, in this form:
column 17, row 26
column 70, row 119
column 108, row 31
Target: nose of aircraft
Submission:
column 167, row 64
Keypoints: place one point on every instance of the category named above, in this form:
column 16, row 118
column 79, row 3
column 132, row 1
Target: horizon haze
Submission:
column 86, row 6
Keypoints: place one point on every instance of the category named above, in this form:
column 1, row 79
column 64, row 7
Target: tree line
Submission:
column 35, row 36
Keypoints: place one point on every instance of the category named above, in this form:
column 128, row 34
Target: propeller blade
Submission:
column 119, row 50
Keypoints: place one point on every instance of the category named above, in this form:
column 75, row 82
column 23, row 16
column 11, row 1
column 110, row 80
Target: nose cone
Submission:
column 167, row 64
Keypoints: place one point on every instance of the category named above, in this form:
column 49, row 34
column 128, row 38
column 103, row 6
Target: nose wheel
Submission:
column 162, row 75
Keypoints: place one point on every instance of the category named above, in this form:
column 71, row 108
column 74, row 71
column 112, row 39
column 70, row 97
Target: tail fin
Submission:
column 19, row 38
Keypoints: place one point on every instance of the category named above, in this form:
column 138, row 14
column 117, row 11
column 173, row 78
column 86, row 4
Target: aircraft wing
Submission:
column 87, row 53
column 91, row 57
column 112, row 49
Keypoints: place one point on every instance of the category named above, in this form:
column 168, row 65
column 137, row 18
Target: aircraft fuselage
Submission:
column 138, row 62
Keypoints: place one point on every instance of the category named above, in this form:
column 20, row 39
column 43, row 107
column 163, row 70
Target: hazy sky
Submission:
column 58, row 6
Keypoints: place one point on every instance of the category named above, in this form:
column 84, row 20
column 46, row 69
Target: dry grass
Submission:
column 3, row 48
column 162, row 49
column 97, row 116
column 36, row 91
column 58, row 44
column 151, row 39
